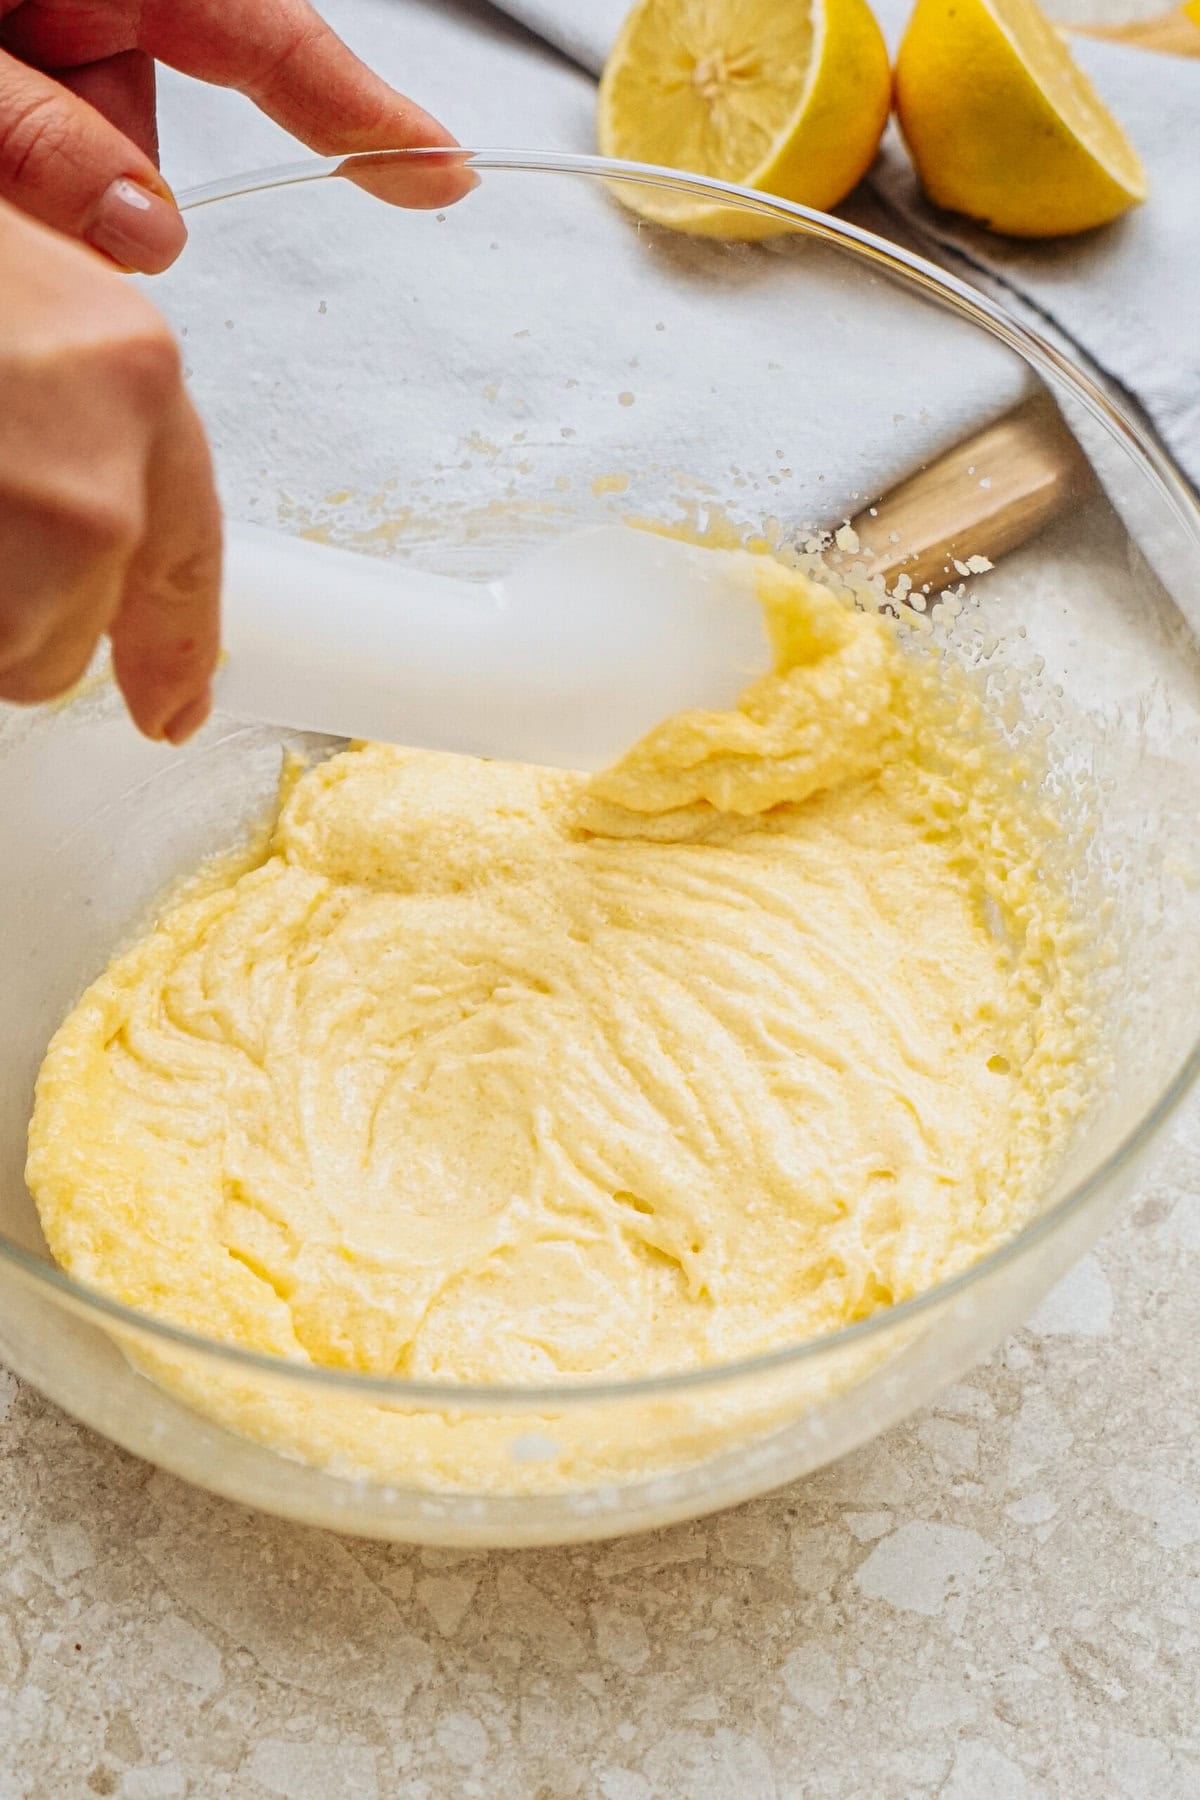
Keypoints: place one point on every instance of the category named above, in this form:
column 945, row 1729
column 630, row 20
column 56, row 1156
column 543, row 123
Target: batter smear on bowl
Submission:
column 489, row 1072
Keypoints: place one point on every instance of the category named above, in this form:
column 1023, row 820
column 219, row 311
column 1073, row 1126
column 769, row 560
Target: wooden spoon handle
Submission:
column 983, row 498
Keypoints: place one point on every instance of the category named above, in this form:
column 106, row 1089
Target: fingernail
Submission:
column 188, row 719
column 138, row 229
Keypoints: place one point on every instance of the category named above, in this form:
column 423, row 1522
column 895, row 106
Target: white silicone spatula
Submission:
column 572, row 656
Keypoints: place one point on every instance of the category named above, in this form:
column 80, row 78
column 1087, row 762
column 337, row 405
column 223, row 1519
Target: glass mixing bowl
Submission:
column 451, row 386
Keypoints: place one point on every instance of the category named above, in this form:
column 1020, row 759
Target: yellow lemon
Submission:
column 787, row 96
column 1002, row 124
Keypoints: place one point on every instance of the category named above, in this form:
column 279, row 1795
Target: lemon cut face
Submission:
column 1004, row 126
column 789, row 98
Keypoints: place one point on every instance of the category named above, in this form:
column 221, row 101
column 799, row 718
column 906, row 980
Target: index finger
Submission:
column 284, row 57
column 279, row 53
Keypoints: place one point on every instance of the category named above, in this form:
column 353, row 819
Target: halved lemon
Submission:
column 786, row 96
column 1004, row 126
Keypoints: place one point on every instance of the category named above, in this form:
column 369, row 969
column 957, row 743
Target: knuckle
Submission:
column 33, row 132
column 94, row 528
column 148, row 362
column 192, row 578
column 98, row 366
column 301, row 36
column 32, row 683
column 60, row 529
column 22, row 635
column 48, row 671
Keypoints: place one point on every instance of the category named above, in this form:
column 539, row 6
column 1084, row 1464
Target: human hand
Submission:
column 78, row 143
column 109, row 520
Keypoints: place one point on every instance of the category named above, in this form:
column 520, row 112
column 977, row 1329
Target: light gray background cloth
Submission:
column 1126, row 296
column 520, row 73
column 746, row 318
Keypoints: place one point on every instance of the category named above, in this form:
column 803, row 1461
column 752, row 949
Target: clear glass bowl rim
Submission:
column 907, row 270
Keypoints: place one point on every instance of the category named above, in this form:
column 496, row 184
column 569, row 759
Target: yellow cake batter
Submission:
column 496, row 1073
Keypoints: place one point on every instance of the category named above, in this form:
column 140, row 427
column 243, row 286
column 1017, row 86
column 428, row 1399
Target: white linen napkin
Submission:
column 1127, row 297
column 495, row 83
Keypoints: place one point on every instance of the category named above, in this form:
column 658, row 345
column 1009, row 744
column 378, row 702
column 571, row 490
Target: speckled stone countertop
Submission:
column 998, row 1601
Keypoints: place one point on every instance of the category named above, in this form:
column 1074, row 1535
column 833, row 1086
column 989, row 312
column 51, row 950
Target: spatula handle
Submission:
column 985, row 497
column 325, row 640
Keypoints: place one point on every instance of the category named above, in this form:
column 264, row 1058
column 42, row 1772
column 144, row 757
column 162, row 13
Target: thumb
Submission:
column 65, row 164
